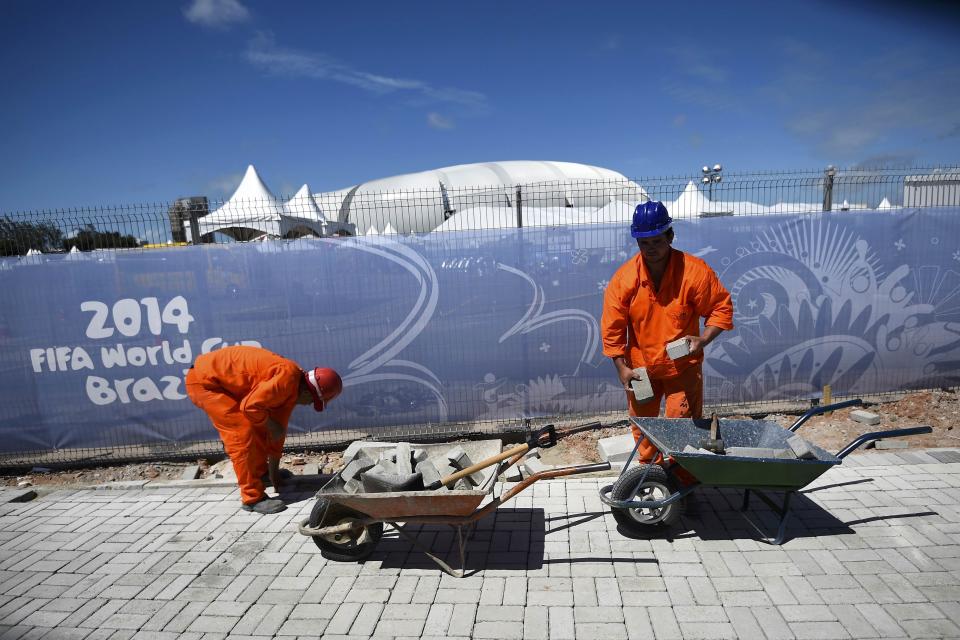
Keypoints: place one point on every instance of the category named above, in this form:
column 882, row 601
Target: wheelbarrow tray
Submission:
column 672, row 435
column 396, row 505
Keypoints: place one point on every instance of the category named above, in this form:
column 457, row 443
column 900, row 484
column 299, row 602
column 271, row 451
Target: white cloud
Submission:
column 263, row 53
column 216, row 13
column 437, row 121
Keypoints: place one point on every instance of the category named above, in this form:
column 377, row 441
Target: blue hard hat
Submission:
column 650, row 219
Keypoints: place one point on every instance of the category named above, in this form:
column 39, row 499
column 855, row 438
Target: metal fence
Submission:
column 448, row 219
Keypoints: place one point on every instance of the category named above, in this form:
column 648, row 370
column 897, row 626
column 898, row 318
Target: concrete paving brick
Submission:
column 343, row 618
column 664, row 623
column 550, row 598
column 438, row 620
column 271, row 620
column 772, row 623
column 367, row 618
column 303, row 627
column 561, row 623
column 818, row 630
column 536, row 623
column 743, row 622
column 462, row 619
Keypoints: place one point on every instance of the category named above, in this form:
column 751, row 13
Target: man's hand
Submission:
column 698, row 343
column 275, row 429
column 624, row 372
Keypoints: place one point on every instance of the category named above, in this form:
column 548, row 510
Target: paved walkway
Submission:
column 875, row 552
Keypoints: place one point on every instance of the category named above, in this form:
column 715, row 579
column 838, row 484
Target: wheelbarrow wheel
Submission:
column 656, row 486
column 343, row 547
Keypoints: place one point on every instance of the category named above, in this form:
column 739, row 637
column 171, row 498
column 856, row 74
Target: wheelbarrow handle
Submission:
column 824, row 409
column 878, row 435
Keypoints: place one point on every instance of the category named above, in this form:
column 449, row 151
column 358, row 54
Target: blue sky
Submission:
column 129, row 102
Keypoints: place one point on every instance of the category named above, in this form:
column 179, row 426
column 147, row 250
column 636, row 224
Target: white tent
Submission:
column 884, row 204
column 389, row 230
column 692, row 204
column 253, row 211
column 372, row 231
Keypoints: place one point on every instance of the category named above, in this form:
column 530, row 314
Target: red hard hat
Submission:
column 324, row 384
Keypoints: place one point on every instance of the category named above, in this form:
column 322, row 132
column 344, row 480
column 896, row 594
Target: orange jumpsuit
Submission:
column 239, row 388
column 638, row 322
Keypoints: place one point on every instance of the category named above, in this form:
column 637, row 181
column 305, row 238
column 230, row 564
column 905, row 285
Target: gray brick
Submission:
column 707, row 630
column 498, row 630
column 536, row 623
column 818, row 630
column 880, row 620
column 772, row 623
column 664, row 623
column 487, row 613
column 344, row 618
column 457, row 596
column 366, row 620
column 438, row 620
column 303, row 627
column 744, row 624
column 931, row 628
column 213, row 624
column 462, row 620
column 561, row 623
column 638, row 623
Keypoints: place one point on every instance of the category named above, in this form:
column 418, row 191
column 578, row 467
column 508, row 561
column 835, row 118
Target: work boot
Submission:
column 285, row 474
column 266, row 506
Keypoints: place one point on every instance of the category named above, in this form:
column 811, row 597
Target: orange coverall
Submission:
column 638, row 322
column 239, row 388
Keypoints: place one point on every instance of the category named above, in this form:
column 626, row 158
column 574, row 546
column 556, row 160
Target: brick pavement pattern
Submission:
column 874, row 552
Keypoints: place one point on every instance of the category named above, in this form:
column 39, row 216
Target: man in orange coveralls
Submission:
column 249, row 394
column 654, row 298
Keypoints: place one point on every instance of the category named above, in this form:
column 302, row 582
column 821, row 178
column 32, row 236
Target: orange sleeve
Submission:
column 270, row 394
column 616, row 312
column 713, row 302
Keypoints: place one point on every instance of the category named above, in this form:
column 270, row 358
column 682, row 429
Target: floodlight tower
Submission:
column 712, row 176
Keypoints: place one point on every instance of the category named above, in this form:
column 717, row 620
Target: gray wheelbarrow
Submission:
column 347, row 526
column 649, row 495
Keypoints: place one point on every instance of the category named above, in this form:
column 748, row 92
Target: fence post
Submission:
column 194, row 227
column 828, row 177
column 519, row 208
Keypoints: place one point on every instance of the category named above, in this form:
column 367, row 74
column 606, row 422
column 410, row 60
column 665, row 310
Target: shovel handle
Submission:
column 483, row 464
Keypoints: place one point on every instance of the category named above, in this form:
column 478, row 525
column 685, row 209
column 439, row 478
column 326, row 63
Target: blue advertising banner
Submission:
column 465, row 326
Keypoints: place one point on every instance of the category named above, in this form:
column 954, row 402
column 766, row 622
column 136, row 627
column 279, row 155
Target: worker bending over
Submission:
column 654, row 298
column 249, row 394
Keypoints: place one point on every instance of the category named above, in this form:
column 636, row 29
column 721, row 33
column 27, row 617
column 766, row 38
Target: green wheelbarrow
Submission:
column 650, row 495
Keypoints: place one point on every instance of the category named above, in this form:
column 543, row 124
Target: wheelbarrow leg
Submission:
column 781, row 510
column 461, row 543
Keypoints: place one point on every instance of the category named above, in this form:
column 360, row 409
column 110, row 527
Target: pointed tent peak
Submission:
column 33, row 252
column 389, row 230
column 304, row 205
column 884, row 204
column 252, row 187
column 372, row 231
column 74, row 249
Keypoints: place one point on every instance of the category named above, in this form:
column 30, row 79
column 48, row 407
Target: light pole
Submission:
column 712, row 176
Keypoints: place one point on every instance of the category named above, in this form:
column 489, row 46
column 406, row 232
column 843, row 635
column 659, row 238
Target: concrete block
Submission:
column 534, row 465
column 891, row 443
column 801, row 448
column 864, row 417
column 389, row 455
column 377, row 481
column 513, row 473
column 191, row 473
column 616, row 448
column 692, row 449
column 353, row 486
column 428, row 472
column 311, row 469
column 372, row 448
column 355, row 467
column 678, row 348
column 642, row 390
column 458, row 458
column 404, row 454
column 463, row 484
column 419, row 455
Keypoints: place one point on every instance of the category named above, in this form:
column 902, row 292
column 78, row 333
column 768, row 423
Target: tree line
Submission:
column 17, row 237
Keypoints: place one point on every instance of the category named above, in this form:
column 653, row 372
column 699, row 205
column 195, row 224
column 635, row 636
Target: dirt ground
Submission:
column 939, row 409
